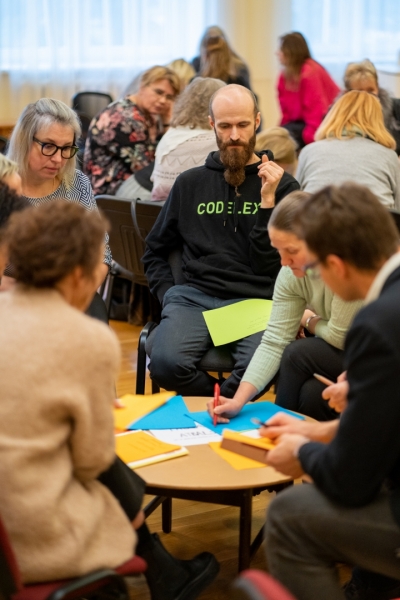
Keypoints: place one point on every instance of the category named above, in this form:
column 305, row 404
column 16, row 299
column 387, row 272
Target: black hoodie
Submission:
column 225, row 244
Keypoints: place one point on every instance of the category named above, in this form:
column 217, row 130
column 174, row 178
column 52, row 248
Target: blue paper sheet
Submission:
column 171, row 415
column 242, row 421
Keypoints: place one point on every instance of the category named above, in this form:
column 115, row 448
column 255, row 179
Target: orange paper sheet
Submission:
column 136, row 407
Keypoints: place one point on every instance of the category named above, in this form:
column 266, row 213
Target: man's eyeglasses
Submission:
column 312, row 270
column 51, row 149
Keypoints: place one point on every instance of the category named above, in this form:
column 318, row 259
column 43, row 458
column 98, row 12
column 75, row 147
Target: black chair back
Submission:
column 396, row 217
column 127, row 247
column 90, row 103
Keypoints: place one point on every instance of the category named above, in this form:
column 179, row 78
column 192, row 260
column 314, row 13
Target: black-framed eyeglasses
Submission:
column 312, row 270
column 51, row 149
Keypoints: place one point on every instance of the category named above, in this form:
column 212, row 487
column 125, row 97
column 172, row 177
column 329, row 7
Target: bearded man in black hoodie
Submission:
column 217, row 215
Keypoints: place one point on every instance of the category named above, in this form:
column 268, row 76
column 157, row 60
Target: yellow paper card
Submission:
column 236, row 461
column 139, row 445
column 136, row 407
column 262, row 442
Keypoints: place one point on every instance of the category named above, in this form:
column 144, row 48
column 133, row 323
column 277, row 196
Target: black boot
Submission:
column 172, row 579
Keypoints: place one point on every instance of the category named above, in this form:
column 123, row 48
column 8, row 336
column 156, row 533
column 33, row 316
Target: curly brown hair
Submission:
column 47, row 243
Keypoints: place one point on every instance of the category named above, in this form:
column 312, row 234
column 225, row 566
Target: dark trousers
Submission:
column 298, row 390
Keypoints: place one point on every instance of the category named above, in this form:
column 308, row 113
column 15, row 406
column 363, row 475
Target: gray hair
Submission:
column 7, row 167
column 191, row 107
column 35, row 116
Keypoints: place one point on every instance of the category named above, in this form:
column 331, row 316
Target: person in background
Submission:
column 363, row 76
column 10, row 202
column 300, row 303
column 44, row 146
column 64, row 445
column 216, row 62
column 122, row 139
column 235, row 67
column 184, row 70
column 353, row 144
column 305, row 89
column 216, row 215
column 9, row 174
column 282, row 145
column 351, row 512
column 190, row 138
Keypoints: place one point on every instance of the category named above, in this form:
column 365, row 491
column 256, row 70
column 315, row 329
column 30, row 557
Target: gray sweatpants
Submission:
column 306, row 535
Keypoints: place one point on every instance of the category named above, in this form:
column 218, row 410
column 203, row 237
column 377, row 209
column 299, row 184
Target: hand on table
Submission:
column 227, row 408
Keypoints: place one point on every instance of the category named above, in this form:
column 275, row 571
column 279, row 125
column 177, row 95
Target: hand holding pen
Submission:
column 335, row 393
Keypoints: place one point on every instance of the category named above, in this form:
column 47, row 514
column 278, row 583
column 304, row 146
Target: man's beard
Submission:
column 235, row 159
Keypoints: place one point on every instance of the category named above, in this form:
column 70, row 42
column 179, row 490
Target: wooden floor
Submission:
column 196, row 527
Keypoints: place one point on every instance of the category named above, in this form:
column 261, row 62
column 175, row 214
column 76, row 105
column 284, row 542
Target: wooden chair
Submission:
column 104, row 583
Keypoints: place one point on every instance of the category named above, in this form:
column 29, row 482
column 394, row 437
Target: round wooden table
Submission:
column 203, row 476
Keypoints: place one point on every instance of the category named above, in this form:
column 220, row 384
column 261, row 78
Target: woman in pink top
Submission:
column 305, row 89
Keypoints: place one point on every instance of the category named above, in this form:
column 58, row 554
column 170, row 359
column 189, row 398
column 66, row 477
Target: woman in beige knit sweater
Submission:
column 60, row 477
column 303, row 307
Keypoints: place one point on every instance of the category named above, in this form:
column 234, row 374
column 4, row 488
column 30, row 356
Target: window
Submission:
column 341, row 31
column 59, row 47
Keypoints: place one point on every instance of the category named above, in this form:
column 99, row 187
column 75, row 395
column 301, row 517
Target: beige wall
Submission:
column 253, row 28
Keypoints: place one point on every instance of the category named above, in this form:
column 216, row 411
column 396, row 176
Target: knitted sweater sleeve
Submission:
column 334, row 329
column 288, row 307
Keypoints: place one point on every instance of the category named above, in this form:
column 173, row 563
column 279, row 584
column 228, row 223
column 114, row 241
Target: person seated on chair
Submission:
column 43, row 144
column 122, row 139
column 351, row 512
column 190, row 138
column 68, row 504
column 218, row 215
column 305, row 333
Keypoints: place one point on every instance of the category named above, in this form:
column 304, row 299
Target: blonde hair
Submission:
column 7, row 167
column 184, row 70
column 279, row 140
column 192, row 107
column 356, row 112
column 42, row 114
column 359, row 71
column 156, row 73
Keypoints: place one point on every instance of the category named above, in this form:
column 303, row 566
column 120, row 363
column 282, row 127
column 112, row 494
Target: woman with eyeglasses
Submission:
column 44, row 145
column 305, row 333
column 122, row 139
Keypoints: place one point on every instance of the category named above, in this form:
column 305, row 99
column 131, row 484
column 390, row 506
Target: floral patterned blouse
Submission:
column 118, row 144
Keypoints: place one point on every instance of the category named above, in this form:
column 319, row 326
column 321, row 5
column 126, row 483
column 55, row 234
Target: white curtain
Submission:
column 55, row 48
column 341, row 31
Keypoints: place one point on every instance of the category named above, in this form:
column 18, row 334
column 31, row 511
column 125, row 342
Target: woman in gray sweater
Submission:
column 352, row 144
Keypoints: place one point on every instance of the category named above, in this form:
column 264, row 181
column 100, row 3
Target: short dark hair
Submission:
column 350, row 222
column 10, row 202
column 46, row 243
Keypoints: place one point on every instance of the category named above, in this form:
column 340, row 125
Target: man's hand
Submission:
column 336, row 394
column 270, row 174
column 284, row 457
column 282, row 424
column 227, row 408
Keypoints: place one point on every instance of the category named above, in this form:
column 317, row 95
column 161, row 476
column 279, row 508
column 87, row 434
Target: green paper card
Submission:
column 238, row 320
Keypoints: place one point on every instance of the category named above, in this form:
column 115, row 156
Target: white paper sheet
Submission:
column 191, row 436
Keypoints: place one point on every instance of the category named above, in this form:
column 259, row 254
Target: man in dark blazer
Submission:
column 351, row 512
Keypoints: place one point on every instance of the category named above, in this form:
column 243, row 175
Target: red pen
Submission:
column 216, row 402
